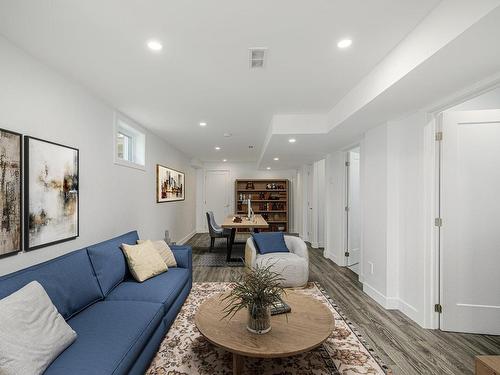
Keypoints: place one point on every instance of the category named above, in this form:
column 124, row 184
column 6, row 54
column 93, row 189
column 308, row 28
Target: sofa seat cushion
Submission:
column 293, row 269
column 111, row 336
column 163, row 288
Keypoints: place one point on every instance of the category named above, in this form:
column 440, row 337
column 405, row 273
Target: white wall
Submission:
column 241, row 171
column 36, row 101
column 396, row 264
column 374, row 208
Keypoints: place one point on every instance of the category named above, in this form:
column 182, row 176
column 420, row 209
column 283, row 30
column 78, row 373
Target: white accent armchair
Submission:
column 293, row 266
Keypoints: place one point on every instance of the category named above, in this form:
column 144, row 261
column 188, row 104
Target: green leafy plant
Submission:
column 258, row 287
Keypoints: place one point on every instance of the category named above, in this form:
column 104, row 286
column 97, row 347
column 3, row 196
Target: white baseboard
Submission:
column 380, row 298
column 394, row 303
column 332, row 257
column 410, row 312
column 389, row 303
column 185, row 239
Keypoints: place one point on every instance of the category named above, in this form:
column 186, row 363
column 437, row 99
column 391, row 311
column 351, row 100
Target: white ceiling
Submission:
column 202, row 73
column 469, row 60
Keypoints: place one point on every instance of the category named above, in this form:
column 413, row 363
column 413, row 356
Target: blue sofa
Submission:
column 120, row 323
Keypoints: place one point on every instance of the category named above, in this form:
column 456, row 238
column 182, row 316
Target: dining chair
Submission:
column 216, row 231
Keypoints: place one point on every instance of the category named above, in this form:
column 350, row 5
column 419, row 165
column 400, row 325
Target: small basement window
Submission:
column 130, row 143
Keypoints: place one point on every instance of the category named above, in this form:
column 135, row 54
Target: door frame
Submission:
column 205, row 225
column 345, row 227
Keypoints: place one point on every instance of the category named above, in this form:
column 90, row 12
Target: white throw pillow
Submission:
column 165, row 252
column 32, row 332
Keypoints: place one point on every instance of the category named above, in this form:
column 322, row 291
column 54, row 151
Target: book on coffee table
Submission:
column 280, row 308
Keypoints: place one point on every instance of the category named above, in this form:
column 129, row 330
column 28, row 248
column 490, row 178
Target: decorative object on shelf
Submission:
column 169, row 185
column 250, row 185
column 10, row 192
column 51, row 193
column 257, row 290
column 264, row 196
column 237, row 219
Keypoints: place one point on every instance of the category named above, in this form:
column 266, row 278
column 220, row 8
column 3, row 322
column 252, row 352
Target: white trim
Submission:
column 410, row 311
column 186, row 238
column 393, row 303
column 490, row 83
column 380, row 298
column 331, row 255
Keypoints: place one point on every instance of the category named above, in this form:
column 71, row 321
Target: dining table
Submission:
column 232, row 222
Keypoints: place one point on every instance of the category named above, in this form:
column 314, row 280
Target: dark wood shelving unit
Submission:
column 270, row 198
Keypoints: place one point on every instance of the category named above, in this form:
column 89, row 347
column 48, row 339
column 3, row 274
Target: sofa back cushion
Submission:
column 109, row 262
column 69, row 281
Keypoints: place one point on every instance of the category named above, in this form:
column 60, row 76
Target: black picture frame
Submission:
column 159, row 198
column 20, row 195
column 27, row 187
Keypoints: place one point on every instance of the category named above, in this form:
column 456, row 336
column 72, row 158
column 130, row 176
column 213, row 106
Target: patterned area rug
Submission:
column 185, row 352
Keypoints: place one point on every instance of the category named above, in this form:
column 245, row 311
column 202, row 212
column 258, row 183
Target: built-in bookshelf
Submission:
column 269, row 198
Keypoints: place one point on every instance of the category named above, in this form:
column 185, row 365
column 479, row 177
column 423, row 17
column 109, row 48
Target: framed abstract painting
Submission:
column 51, row 193
column 10, row 192
column 169, row 185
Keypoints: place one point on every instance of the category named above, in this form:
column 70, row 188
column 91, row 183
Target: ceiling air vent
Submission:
column 257, row 57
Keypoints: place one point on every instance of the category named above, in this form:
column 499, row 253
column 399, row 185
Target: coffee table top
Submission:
column 309, row 324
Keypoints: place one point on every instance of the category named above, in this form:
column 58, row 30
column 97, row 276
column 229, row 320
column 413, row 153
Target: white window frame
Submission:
column 137, row 134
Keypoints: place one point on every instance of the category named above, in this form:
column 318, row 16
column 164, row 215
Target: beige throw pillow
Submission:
column 164, row 250
column 143, row 260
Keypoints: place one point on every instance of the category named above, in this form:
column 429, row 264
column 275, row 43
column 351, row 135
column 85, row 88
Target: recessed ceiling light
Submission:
column 217, row 148
column 276, row 159
column 344, row 43
column 155, row 45
column 292, row 140
column 268, row 168
column 224, row 160
column 203, row 123
column 227, row 135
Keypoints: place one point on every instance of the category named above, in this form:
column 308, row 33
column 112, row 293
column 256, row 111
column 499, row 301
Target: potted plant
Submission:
column 257, row 290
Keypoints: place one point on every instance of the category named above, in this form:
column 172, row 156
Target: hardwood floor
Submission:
column 403, row 345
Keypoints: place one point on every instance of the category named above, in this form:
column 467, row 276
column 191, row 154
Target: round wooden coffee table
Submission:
column 309, row 324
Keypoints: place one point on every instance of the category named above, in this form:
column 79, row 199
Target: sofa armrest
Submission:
column 183, row 256
column 250, row 253
column 297, row 246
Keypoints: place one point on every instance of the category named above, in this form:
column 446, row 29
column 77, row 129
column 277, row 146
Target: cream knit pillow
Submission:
column 143, row 260
column 165, row 252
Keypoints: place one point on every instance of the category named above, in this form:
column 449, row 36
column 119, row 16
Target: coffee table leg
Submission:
column 237, row 364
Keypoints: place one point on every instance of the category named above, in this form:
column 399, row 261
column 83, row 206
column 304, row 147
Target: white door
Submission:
column 217, row 188
column 470, row 233
column 353, row 211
